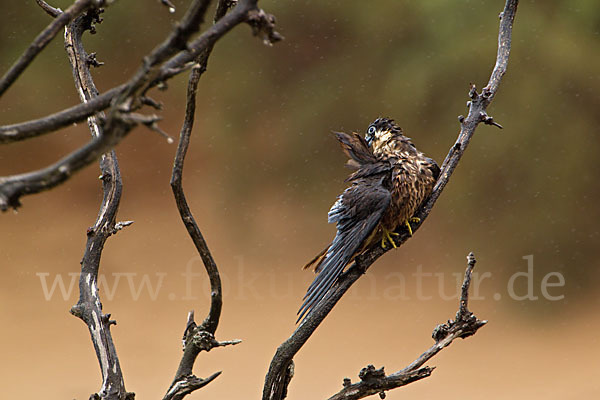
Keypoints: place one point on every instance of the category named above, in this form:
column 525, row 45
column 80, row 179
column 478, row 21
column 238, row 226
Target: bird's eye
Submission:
column 371, row 130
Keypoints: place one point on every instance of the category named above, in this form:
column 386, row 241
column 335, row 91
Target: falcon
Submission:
column 391, row 181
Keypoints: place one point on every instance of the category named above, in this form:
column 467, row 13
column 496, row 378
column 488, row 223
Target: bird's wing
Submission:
column 370, row 169
column 357, row 213
column 435, row 169
column 360, row 156
column 356, row 148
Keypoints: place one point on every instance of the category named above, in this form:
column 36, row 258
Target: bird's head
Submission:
column 382, row 129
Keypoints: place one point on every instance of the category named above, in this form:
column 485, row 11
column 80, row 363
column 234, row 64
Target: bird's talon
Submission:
column 410, row 232
column 414, row 220
column 387, row 236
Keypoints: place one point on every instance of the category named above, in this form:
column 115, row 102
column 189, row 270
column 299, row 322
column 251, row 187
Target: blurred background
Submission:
column 261, row 174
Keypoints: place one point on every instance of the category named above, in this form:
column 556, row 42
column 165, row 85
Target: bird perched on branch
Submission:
column 390, row 182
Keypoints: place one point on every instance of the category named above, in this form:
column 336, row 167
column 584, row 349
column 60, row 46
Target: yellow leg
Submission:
column 408, row 221
column 387, row 236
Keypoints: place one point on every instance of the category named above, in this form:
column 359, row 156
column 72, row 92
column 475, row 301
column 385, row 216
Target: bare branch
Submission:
column 184, row 387
column 120, row 225
column 89, row 307
column 122, row 101
column 40, row 42
column 173, row 66
column 12, row 188
column 212, row 321
column 222, row 7
column 168, row 4
column 478, row 104
column 195, row 338
column 464, row 294
column 176, row 41
column 51, row 11
column 263, row 25
column 36, row 127
column 477, row 113
column 373, row 381
column 242, row 12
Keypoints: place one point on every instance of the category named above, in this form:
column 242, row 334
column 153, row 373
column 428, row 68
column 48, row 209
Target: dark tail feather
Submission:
column 318, row 292
column 331, row 268
column 356, row 214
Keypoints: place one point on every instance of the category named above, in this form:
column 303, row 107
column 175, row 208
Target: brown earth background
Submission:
column 262, row 173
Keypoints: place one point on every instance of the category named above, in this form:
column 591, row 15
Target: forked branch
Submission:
column 45, row 37
column 176, row 54
column 278, row 376
column 196, row 338
column 373, row 381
